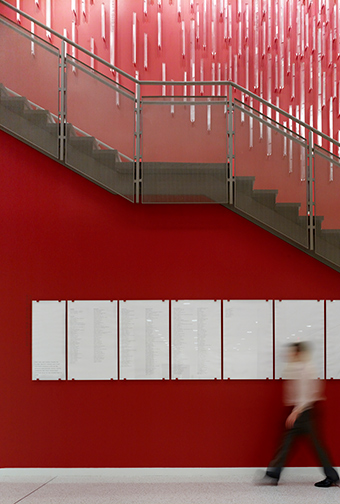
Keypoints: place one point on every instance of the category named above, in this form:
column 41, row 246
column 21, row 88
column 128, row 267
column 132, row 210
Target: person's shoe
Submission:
column 326, row 483
column 269, row 480
column 265, row 479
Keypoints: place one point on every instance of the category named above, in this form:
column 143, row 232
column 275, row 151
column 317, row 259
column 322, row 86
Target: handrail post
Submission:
column 137, row 142
column 62, row 103
column 230, row 144
column 310, row 190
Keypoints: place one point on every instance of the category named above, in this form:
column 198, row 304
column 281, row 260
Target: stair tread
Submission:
column 331, row 231
column 39, row 116
column 70, row 132
column 16, row 100
column 106, row 152
column 83, row 139
column 265, row 191
column 87, row 144
column 318, row 218
column 283, row 204
column 108, row 157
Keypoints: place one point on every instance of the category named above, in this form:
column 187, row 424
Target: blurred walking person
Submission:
column 302, row 391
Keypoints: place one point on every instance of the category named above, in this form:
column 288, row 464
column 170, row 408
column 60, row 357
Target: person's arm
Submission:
column 292, row 417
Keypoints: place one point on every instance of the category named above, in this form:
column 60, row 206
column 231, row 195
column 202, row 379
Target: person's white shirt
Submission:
column 302, row 388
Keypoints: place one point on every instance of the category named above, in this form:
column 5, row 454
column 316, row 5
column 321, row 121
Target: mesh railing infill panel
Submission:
column 184, row 183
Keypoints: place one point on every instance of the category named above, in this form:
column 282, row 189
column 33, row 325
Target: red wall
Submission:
column 62, row 237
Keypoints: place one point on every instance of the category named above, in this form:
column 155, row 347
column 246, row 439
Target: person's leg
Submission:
column 276, row 465
column 330, row 473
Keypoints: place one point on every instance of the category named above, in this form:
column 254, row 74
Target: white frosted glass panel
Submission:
column 145, row 51
column 92, row 340
column 248, row 339
column 48, row 18
column 333, row 339
column 144, row 339
column 113, row 15
column 196, row 339
column 183, row 38
column 204, row 24
column 159, row 24
column 299, row 321
column 134, row 38
column 32, row 43
column 48, row 340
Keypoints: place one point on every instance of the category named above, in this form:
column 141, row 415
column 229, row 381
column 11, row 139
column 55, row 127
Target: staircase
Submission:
column 164, row 182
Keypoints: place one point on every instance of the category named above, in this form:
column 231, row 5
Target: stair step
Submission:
column 288, row 210
column 244, row 184
column 16, row 104
column 107, row 157
column 87, row 145
column 39, row 117
column 266, row 197
column 303, row 221
column 331, row 236
column 53, row 129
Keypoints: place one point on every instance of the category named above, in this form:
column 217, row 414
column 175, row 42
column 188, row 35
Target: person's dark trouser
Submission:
column 304, row 425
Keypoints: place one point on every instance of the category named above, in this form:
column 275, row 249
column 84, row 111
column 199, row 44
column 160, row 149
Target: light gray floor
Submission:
column 160, row 486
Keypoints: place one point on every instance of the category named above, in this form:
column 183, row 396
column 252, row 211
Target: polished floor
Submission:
column 160, row 486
